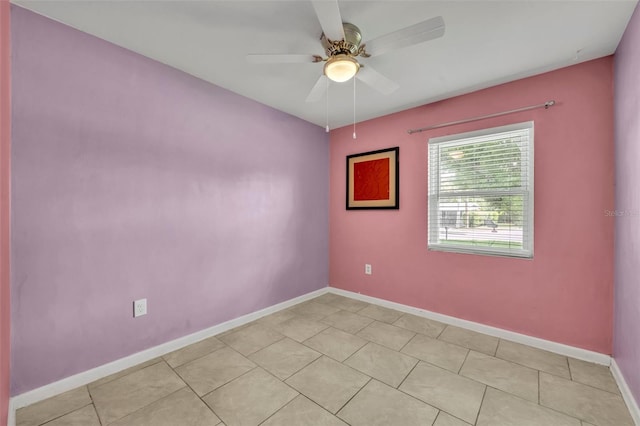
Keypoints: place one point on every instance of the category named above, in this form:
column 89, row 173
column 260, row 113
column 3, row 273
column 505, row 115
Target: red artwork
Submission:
column 371, row 180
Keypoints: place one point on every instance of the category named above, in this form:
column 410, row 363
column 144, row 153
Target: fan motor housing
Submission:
column 349, row 46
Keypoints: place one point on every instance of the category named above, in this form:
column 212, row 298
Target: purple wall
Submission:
column 132, row 179
column 5, row 200
column 626, row 341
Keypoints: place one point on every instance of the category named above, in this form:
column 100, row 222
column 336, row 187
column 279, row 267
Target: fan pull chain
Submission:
column 354, row 107
column 327, row 108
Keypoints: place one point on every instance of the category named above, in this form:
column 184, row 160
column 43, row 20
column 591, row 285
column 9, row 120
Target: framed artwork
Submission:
column 373, row 180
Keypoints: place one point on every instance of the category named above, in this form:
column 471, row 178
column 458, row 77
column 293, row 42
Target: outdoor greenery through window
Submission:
column 481, row 192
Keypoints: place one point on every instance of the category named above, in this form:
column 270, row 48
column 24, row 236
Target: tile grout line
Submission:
column 405, row 345
column 152, row 402
column 65, row 414
column 541, row 405
column 192, row 360
column 539, row 388
column 329, row 356
column 97, row 416
column 193, row 390
column 618, row 394
column 481, row 402
column 133, row 370
column 495, row 351
column 533, row 368
column 279, row 409
column 463, row 362
column 407, row 342
column 442, row 332
column 354, row 395
column 94, row 404
column 436, row 419
column 405, row 378
column 226, row 383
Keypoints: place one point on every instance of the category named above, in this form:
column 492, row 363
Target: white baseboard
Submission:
column 11, row 415
column 94, row 374
column 512, row 336
column 631, row 402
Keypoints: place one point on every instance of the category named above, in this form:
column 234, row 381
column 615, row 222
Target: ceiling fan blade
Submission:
column 330, row 19
column 418, row 33
column 318, row 89
column 282, row 59
column 376, row 80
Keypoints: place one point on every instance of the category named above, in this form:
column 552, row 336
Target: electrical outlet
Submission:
column 139, row 307
column 367, row 269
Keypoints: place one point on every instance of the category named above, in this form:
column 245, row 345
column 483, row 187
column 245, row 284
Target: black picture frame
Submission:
column 373, row 183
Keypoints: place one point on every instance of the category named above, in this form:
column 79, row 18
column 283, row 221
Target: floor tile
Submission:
column 445, row 390
column 123, row 373
column 502, row 409
column 236, row 329
column 437, row 352
column 420, row 325
column 299, row 328
column 347, row 321
column 180, row 408
column 534, row 358
column 345, row 362
column 194, row 351
column 598, row 376
column 336, row 343
column 445, row 419
column 328, row 383
column 250, row 399
column 380, row 405
column 349, row 304
column 214, row 370
column 381, row 314
column 303, row 412
column 327, row 298
column 251, row 339
column 387, row 335
column 470, row 339
column 507, row 376
column 277, row 318
column 388, row 366
column 52, row 408
column 314, row 311
column 593, row 405
column 127, row 394
column 85, row 416
column 284, row 357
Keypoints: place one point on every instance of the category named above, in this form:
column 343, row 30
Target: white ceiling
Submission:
column 485, row 43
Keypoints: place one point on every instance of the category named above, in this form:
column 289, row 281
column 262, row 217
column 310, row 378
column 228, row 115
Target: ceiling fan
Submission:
column 342, row 43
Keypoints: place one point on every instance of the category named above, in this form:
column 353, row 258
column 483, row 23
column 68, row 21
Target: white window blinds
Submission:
column 481, row 192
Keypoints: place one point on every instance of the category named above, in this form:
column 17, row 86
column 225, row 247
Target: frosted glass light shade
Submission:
column 341, row 68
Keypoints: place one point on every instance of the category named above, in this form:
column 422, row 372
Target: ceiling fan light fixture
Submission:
column 341, row 68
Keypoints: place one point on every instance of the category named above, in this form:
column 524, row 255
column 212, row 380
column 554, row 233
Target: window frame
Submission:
column 433, row 212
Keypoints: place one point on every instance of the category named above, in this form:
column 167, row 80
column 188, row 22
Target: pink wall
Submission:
column 626, row 340
column 565, row 293
column 5, row 143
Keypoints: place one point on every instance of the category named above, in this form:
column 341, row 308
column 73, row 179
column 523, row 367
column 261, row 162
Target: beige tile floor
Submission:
column 339, row 361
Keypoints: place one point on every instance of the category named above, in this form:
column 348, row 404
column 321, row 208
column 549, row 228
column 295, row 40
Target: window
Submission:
column 481, row 192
